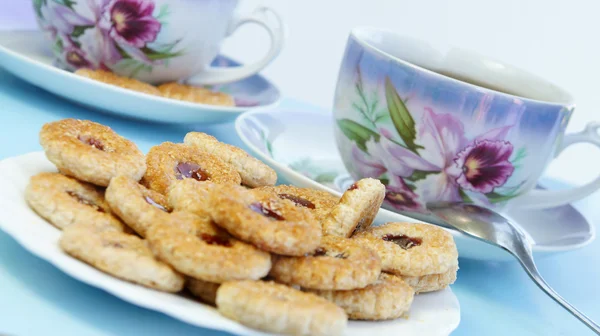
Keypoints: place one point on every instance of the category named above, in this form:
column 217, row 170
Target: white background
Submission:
column 556, row 39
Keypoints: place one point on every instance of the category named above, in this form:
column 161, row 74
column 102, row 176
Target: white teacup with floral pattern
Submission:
column 155, row 41
column 430, row 136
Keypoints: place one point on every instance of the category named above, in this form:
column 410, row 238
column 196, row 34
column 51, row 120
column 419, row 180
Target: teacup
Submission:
column 450, row 126
column 155, row 41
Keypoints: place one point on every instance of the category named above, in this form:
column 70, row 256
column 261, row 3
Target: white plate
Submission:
column 299, row 144
column 432, row 314
column 24, row 54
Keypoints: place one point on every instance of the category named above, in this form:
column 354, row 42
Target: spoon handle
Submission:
column 529, row 266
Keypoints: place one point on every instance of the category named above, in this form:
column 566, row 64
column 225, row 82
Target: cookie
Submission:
column 254, row 172
column 210, row 255
column 120, row 81
column 387, row 298
column 411, row 249
column 432, row 282
column 169, row 162
column 204, row 290
column 64, row 201
column 190, row 196
column 137, row 206
column 320, row 203
column 276, row 308
column 91, row 152
column 261, row 218
column 122, row 255
column 337, row 264
column 356, row 209
column 194, row 94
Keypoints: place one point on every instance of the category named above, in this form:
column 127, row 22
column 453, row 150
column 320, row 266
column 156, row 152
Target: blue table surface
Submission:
column 37, row 299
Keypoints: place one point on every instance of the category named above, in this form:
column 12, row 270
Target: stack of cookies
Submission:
column 206, row 217
column 171, row 90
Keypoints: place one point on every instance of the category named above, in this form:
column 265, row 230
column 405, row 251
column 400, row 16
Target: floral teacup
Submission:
column 454, row 127
column 155, row 41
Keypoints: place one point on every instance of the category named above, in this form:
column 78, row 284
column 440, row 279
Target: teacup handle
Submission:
column 221, row 75
column 548, row 198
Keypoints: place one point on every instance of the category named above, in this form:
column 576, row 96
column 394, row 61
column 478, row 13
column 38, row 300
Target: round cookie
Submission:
column 90, row 151
column 169, row 162
column 111, row 78
column 388, row 298
column 122, row 255
column 279, row 309
column 195, row 94
column 254, row 172
column 137, row 206
column 204, row 290
column 320, row 203
column 265, row 220
column 411, row 249
column 210, row 255
column 356, row 209
column 337, row 264
column 191, row 196
column 432, row 282
column 64, row 201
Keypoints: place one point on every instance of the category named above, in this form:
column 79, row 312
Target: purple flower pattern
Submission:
column 443, row 165
column 100, row 33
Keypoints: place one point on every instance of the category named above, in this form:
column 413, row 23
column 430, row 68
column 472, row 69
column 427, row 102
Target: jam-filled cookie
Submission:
column 120, row 81
column 337, row 264
column 320, row 203
column 254, row 172
column 432, row 282
column 204, row 290
column 64, row 201
column 90, row 151
column 194, row 94
column 137, row 206
column 387, row 298
column 261, row 218
column 169, row 162
column 210, row 255
column 121, row 255
column 411, row 249
column 356, row 209
column 276, row 308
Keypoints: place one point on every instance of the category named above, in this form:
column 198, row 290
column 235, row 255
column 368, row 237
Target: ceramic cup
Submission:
column 450, row 125
column 155, row 41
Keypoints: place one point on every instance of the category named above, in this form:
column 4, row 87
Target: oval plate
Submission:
column 23, row 53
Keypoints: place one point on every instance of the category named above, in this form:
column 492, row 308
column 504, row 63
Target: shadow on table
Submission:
column 85, row 303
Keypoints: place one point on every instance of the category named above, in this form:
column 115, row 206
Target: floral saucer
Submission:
column 299, row 144
column 24, row 54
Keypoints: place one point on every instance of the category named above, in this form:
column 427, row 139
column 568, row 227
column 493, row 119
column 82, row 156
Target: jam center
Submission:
column 215, row 240
column 321, row 252
column 190, row 170
column 354, row 186
column 84, row 201
column 403, row 241
column 91, row 141
column 258, row 207
column 298, row 200
column 150, row 201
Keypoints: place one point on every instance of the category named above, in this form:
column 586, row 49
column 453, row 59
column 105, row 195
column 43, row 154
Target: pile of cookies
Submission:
column 171, row 90
column 206, row 217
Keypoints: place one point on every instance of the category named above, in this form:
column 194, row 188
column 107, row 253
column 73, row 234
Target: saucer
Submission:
column 25, row 54
column 299, row 144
